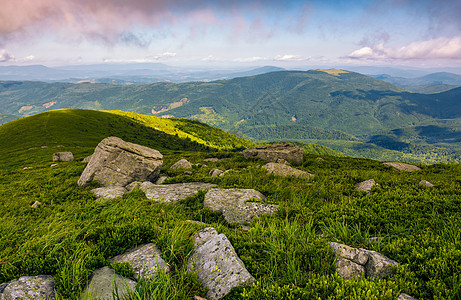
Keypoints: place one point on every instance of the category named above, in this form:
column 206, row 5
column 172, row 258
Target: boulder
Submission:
column 273, row 152
column 109, row 193
column 234, row 205
column 63, row 156
column 426, row 183
column 217, row 265
column 29, row 287
column 173, row 192
column 398, row 166
column 118, row 163
column 405, row 297
column 103, row 283
column 161, row 179
column 87, row 159
column 353, row 262
column 181, row 164
column 145, row 260
column 286, row 171
column 366, row 186
column 215, row 172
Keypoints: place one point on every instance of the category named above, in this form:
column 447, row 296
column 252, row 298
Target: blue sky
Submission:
column 424, row 33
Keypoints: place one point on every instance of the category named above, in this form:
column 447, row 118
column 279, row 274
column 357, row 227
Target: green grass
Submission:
column 71, row 234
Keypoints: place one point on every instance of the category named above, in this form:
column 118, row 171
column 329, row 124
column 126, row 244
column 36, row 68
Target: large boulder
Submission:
column 398, row 166
column 172, row 192
column 366, row 186
column 235, row 206
column 276, row 152
column 216, row 264
column 183, row 164
column 145, row 260
column 118, row 163
column 109, row 193
column 29, row 287
column 286, row 171
column 63, row 156
column 103, row 283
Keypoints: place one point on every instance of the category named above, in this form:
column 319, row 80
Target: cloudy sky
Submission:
column 231, row 32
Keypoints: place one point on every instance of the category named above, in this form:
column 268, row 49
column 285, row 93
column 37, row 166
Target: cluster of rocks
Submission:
column 368, row 185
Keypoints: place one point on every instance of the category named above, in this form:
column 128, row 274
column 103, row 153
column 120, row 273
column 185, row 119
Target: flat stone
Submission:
column 109, row 193
column 426, row 183
column 181, row 164
column 348, row 269
column 273, row 152
column 286, row 171
column 349, row 253
column 378, row 265
column 234, row 205
column 118, row 163
column 30, row 287
column 103, row 283
column 145, row 260
column 398, row 166
column 173, row 192
column 217, row 265
column 366, row 186
column 63, row 156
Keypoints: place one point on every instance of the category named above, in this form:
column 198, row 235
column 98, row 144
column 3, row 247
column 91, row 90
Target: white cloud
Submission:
column 210, row 58
column 250, row 59
column 290, row 57
column 441, row 48
column 161, row 56
column 5, row 56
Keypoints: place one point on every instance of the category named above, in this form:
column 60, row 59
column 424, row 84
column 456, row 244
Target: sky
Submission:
column 418, row 33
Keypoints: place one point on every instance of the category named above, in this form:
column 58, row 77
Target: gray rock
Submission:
column 63, row 156
column 286, row 171
column 426, row 183
column 398, row 166
column 30, row 287
column 213, row 159
column 36, row 204
column 355, row 255
column 378, row 265
column 273, row 152
column 173, row 192
column 87, row 159
column 2, row 288
column 161, row 179
column 234, row 205
column 217, row 265
column 103, row 283
column 53, row 165
column 366, row 186
column 109, row 193
column 118, row 163
column 145, row 260
column 215, row 172
column 405, row 297
column 27, row 168
column 181, row 164
column 348, row 269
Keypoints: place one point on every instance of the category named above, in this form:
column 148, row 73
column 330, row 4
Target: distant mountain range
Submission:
column 430, row 83
column 347, row 111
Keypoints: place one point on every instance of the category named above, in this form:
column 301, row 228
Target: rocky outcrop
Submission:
column 109, row 193
column 29, row 287
column 286, row 171
column 353, row 262
column 173, row 192
column 216, row 264
column 274, row 152
column 398, row 166
column 234, row 205
column 426, row 183
column 366, row 186
column 103, row 283
column 145, row 260
column 118, row 163
column 63, row 156
column 183, row 164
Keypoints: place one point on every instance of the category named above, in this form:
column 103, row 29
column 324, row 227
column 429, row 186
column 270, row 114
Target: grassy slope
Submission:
column 70, row 235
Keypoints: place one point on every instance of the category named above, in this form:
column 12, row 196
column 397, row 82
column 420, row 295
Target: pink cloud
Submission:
column 5, row 56
column 440, row 48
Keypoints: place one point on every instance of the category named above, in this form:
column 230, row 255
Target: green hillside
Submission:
column 322, row 105
column 70, row 234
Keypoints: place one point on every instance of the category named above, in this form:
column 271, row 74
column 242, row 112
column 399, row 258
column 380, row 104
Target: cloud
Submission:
column 290, row 57
column 440, row 48
column 161, row 56
column 5, row 56
column 250, row 59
